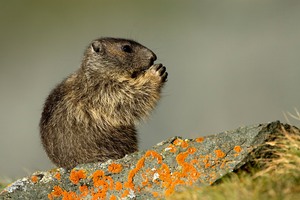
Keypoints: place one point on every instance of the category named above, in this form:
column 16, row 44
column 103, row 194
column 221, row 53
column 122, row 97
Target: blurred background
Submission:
column 230, row 63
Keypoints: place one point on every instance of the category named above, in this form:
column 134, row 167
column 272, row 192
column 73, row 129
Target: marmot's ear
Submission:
column 96, row 46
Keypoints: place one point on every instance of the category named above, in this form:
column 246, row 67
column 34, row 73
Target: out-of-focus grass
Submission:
column 2, row 186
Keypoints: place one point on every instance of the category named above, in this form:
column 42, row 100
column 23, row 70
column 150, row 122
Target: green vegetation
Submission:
column 279, row 178
column 2, row 186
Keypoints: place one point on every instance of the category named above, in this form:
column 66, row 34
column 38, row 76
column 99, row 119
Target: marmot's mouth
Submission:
column 151, row 62
column 138, row 72
column 142, row 69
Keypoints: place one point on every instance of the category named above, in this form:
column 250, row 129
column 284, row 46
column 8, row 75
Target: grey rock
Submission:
column 157, row 172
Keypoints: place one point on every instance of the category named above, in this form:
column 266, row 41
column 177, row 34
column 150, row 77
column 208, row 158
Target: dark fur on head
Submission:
column 115, row 54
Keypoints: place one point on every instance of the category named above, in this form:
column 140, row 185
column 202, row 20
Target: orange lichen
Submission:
column 140, row 163
column 70, row 196
column 219, row 153
column 125, row 193
column 223, row 164
column 99, row 180
column 180, row 142
column 118, row 186
column 171, row 188
column 100, row 194
column 187, row 170
column 84, row 190
column 155, row 194
column 206, row 160
column 50, row 196
column 169, row 191
column 111, row 181
column 193, row 173
column 132, row 173
column 154, row 154
column 165, row 175
column 34, row 179
column 194, row 161
column 238, row 149
column 113, row 197
column 101, row 184
column 192, row 150
column 115, row 168
column 145, row 180
column 177, row 141
column 57, row 176
column 199, row 139
column 184, row 144
column 158, row 174
column 75, row 176
column 172, row 148
column 57, row 191
column 207, row 165
column 181, row 157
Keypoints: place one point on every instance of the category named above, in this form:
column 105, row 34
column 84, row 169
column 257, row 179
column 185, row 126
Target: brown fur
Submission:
column 91, row 115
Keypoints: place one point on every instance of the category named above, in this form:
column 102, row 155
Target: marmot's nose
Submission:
column 152, row 58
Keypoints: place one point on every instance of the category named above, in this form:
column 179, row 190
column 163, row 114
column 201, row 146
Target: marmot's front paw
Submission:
column 159, row 70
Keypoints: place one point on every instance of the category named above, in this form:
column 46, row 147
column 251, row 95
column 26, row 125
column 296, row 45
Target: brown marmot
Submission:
column 91, row 115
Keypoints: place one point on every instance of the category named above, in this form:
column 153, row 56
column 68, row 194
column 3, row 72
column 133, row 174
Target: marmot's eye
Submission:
column 127, row 49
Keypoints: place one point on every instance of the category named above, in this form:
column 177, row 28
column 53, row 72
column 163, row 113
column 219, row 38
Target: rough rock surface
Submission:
column 154, row 173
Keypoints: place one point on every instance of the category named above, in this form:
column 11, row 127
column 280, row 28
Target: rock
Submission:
column 154, row 173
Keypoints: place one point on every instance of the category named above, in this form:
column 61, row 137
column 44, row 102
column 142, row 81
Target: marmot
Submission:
column 91, row 115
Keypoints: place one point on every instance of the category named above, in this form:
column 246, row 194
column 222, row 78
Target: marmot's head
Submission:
column 109, row 55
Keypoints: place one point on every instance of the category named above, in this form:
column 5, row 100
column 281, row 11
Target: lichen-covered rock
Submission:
column 150, row 174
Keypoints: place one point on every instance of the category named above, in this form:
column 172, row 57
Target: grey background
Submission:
column 230, row 63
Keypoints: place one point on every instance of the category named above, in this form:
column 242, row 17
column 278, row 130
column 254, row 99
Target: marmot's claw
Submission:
column 156, row 67
column 161, row 70
column 164, row 77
